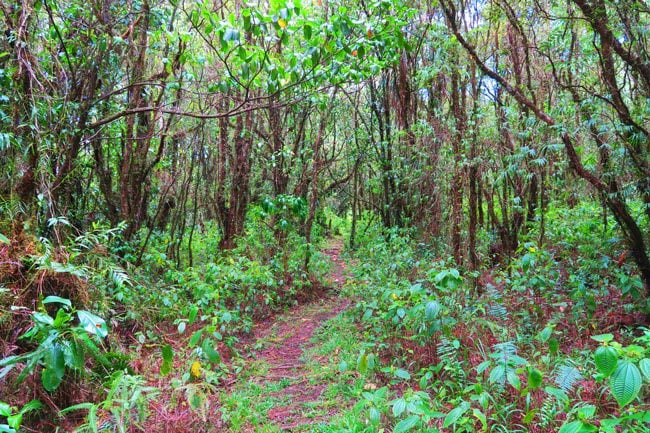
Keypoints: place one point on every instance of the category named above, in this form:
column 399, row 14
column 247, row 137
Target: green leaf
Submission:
column 92, row 324
column 545, row 334
column 402, row 374
column 5, row 409
column 432, row 310
column 603, row 338
column 644, row 365
column 406, row 424
column 209, row 351
column 577, row 427
column 194, row 339
column 73, row 354
column 4, row 239
column 167, row 356
column 57, row 300
column 605, row 359
column 399, row 406
column 534, row 378
column 374, row 415
column 455, row 414
column 50, row 379
column 15, row 421
column 231, row 35
column 194, row 310
column 498, row 375
column 43, row 319
column 529, row 416
column 362, row 363
column 481, row 417
column 56, row 361
column 307, row 31
column 625, row 383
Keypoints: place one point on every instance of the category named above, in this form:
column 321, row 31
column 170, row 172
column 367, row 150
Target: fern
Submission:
column 567, row 376
column 506, row 363
column 496, row 309
column 448, row 354
column 118, row 276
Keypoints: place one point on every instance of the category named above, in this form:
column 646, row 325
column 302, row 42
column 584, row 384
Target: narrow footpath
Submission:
column 283, row 387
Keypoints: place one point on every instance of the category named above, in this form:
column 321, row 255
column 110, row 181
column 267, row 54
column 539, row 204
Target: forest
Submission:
column 325, row 216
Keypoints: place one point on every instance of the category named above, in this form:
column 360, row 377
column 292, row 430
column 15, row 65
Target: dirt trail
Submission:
column 285, row 342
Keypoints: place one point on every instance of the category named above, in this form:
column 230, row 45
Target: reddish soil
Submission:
column 290, row 337
column 283, row 340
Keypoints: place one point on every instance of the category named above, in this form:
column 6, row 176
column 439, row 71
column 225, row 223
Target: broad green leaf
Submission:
column 50, row 379
column 362, row 363
column 406, row 424
column 374, row 415
column 193, row 312
column 167, row 356
column 432, row 310
column 498, row 375
column 644, row 365
column 57, row 300
column 209, row 351
column 15, row 420
column 402, row 374
column 195, row 338
column 92, row 324
column 605, row 359
column 454, row 415
column 625, row 383
column 231, row 35
column 4, row 239
column 586, row 412
column 399, row 406
column 5, row 409
column 43, row 319
column 56, row 361
column 513, row 379
column 73, row 354
column 545, row 334
column 603, row 338
column 534, row 378
column 577, row 427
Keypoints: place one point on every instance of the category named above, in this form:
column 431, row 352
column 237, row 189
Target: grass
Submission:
column 316, row 398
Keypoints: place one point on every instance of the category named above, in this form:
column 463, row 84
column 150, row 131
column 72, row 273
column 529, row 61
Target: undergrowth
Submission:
column 551, row 341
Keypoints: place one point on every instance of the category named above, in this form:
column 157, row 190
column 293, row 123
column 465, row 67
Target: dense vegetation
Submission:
column 172, row 169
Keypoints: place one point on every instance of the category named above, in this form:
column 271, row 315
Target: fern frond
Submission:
column 567, row 376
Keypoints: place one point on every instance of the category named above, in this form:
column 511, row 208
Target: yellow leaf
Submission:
column 282, row 23
column 195, row 369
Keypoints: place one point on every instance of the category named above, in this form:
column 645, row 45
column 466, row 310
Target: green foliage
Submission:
column 61, row 344
column 126, row 404
column 14, row 416
column 623, row 366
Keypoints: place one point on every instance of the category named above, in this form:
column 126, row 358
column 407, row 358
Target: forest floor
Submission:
column 286, row 385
